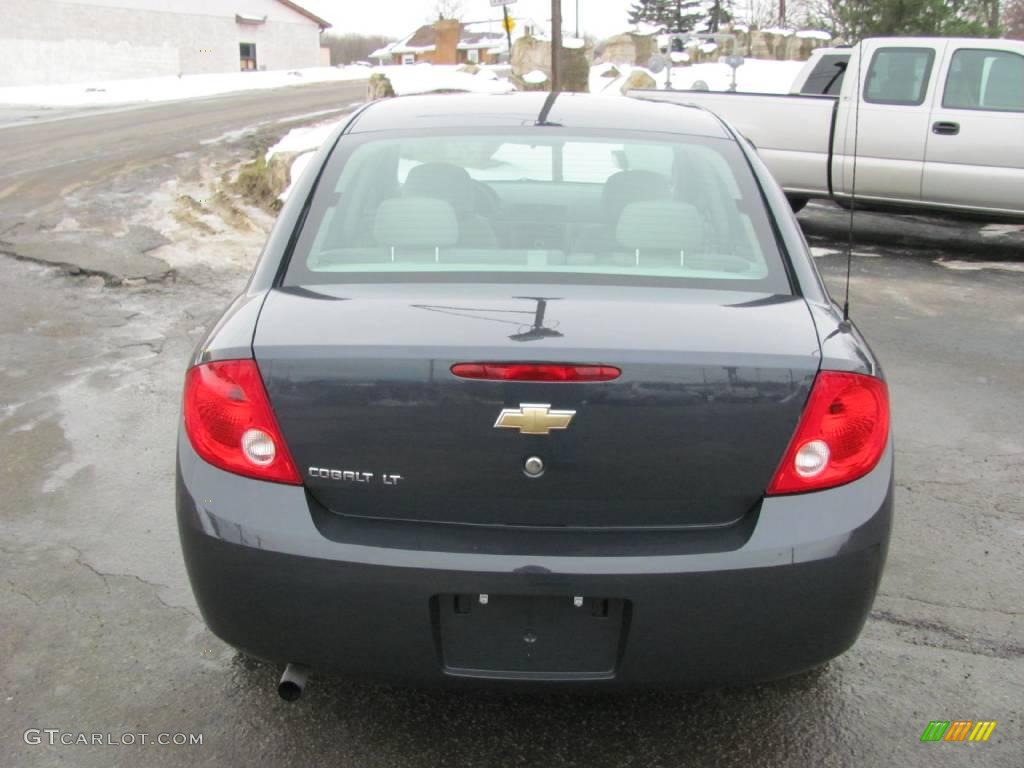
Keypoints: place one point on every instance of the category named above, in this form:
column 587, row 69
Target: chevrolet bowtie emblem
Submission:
column 533, row 419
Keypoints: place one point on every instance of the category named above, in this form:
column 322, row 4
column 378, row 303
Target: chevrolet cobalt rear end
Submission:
column 535, row 391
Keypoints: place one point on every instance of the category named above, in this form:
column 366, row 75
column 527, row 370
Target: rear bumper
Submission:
column 793, row 595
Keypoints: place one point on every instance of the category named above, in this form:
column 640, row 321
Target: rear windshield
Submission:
column 538, row 206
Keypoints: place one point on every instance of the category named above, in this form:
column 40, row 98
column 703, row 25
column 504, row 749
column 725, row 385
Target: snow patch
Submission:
column 813, row 34
column 303, row 139
column 755, row 76
column 647, row 30
column 536, row 77
column 960, row 265
column 299, row 164
column 425, row 77
column 158, row 89
column 1001, row 230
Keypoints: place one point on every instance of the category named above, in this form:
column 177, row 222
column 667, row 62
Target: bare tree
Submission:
column 448, row 9
column 758, row 13
column 1013, row 18
column 349, row 47
column 822, row 15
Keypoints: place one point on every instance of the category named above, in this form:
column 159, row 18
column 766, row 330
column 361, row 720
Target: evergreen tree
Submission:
column 647, row 11
column 719, row 13
column 857, row 19
column 681, row 15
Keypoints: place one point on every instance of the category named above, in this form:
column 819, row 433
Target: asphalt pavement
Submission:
column 99, row 632
column 46, row 155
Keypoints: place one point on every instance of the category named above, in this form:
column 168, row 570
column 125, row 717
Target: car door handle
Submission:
column 946, row 129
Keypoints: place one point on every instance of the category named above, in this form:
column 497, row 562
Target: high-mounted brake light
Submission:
column 841, row 435
column 231, row 425
column 535, row 372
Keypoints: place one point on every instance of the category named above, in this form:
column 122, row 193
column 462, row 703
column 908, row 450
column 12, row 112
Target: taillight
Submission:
column 535, row 372
column 231, row 425
column 841, row 435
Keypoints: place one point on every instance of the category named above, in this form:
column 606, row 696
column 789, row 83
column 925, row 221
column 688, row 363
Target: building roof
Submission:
column 516, row 110
column 479, row 35
column 424, row 39
column 324, row 24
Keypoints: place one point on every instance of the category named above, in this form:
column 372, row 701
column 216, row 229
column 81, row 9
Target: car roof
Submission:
column 516, row 110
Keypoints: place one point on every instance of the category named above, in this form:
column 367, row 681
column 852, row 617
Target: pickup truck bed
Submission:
column 793, row 133
column 928, row 123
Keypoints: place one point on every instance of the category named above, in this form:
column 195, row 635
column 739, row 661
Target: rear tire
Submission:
column 797, row 203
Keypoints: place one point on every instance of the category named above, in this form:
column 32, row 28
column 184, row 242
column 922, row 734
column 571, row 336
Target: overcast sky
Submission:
column 399, row 17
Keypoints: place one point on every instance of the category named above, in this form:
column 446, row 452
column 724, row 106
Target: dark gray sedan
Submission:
column 541, row 391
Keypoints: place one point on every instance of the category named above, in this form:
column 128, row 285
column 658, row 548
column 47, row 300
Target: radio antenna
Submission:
column 853, row 184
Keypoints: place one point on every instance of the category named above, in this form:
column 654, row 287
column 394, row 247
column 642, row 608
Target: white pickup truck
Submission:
column 938, row 123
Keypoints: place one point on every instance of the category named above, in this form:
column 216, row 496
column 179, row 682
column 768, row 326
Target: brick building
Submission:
column 447, row 41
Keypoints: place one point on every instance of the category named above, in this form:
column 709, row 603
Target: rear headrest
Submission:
column 442, row 180
column 416, row 222
column 627, row 187
column 662, row 225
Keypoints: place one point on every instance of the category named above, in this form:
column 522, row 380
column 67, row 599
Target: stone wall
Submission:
column 636, row 50
column 758, row 44
column 628, row 49
column 530, row 54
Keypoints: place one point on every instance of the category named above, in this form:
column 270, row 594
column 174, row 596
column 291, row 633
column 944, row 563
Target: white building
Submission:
column 65, row 41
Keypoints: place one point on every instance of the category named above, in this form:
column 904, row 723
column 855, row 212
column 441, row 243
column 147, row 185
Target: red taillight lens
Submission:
column 231, row 425
column 841, row 435
column 535, row 372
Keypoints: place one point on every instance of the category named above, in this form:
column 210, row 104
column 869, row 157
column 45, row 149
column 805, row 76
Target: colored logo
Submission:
column 958, row 730
column 533, row 419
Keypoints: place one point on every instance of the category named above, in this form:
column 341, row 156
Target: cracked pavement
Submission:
column 100, row 632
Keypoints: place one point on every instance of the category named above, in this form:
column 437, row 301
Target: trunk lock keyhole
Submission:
column 533, row 467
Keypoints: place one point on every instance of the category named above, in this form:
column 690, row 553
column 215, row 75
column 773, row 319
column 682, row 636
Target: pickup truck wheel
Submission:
column 797, row 203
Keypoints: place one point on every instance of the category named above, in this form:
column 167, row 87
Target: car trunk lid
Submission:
column 711, row 388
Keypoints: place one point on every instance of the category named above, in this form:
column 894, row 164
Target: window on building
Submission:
column 408, row 58
column 899, row 76
column 247, row 53
column 985, row 79
column 473, row 56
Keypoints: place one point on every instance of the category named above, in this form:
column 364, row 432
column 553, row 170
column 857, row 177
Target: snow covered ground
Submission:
column 755, row 76
column 420, row 78
column 411, row 79
column 758, row 76
column 155, row 89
